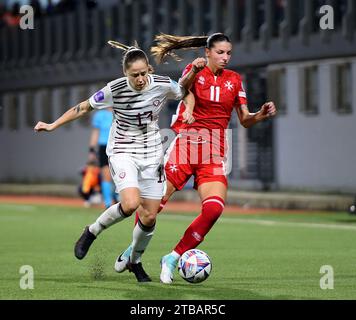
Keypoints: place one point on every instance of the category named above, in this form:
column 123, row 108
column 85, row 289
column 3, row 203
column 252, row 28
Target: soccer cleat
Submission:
column 137, row 270
column 122, row 260
column 168, row 265
column 83, row 244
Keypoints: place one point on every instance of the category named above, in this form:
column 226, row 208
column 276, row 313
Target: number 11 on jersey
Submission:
column 215, row 93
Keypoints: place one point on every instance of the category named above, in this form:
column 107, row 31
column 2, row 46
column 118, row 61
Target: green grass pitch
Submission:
column 267, row 256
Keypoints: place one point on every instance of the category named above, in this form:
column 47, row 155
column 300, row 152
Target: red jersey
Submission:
column 215, row 98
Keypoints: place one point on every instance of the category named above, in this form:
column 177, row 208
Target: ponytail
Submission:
column 167, row 43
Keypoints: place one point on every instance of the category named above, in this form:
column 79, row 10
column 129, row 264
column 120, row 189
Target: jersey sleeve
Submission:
column 102, row 99
column 241, row 97
column 176, row 91
column 187, row 69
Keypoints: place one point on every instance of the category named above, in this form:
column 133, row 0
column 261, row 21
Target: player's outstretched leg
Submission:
column 168, row 265
column 122, row 260
column 109, row 217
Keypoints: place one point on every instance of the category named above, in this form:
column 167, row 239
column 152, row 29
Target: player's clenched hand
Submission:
column 188, row 117
column 268, row 109
column 42, row 126
column 198, row 64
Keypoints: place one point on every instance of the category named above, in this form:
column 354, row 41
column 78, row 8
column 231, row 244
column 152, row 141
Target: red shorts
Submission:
column 186, row 158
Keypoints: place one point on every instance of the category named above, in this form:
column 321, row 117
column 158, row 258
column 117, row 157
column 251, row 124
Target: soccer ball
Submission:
column 194, row 266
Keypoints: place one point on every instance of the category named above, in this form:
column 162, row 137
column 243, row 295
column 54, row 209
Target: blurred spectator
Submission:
column 89, row 188
column 101, row 123
column 13, row 17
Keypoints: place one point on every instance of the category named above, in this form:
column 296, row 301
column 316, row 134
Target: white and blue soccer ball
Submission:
column 194, row 266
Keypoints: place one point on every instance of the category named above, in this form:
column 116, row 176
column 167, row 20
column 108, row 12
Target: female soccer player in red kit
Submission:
column 199, row 148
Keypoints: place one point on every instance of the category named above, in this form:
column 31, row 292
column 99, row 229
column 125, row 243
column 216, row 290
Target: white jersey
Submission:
column 135, row 130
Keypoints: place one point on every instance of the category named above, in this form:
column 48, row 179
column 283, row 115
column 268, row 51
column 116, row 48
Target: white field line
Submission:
column 268, row 223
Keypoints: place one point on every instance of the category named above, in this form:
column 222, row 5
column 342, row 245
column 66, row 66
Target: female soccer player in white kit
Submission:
column 134, row 148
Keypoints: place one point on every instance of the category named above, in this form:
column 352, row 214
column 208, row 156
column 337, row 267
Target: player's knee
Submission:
column 149, row 219
column 130, row 206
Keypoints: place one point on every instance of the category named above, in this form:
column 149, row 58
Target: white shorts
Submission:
column 145, row 174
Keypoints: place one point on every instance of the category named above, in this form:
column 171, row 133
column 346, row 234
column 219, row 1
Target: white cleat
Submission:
column 168, row 265
column 123, row 260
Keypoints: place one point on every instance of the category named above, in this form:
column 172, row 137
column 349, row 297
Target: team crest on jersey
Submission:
column 201, row 80
column 122, row 174
column 156, row 103
column 229, row 85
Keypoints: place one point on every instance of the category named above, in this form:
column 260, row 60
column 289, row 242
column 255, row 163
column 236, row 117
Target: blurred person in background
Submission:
column 89, row 187
column 12, row 18
column 101, row 124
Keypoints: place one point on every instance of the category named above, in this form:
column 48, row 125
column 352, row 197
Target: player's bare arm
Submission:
column 189, row 102
column 72, row 114
column 248, row 119
column 93, row 142
column 197, row 65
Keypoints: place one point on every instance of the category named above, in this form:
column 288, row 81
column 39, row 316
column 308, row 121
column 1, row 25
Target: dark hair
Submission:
column 216, row 37
column 166, row 43
column 131, row 54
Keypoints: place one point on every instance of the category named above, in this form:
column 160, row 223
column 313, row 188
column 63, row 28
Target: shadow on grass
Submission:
column 352, row 220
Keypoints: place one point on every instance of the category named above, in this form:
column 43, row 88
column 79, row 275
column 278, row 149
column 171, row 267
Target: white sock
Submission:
column 109, row 217
column 141, row 237
column 175, row 255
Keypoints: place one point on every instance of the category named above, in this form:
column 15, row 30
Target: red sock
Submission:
column 161, row 206
column 136, row 218
column 212, row 208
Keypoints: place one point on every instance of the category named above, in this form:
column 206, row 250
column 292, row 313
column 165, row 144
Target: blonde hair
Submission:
column 166, row 43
